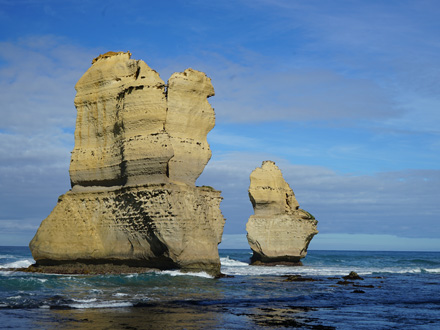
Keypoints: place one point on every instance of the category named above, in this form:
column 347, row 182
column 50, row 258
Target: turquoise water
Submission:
column 400, row 290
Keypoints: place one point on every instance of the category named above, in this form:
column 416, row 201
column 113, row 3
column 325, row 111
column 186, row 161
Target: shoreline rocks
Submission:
column 352, row 276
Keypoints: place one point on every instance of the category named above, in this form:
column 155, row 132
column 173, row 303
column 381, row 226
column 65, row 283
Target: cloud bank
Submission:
column 400, row 203
column 343, row 95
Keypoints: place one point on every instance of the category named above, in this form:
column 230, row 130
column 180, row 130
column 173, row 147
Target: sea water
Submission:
column 399, row 290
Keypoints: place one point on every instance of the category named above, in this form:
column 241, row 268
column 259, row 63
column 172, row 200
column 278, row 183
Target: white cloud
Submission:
column 37, row 82
column 334, row 60
column 299, row 95
column 37, row 78
column 401, row 203
column 17, row 232
column 263, row 89
column 364, row 242
column 42, row 149
column 7, row 226
column 358, row 242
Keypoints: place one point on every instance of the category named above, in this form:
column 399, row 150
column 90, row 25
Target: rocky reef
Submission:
column 279, row 232
column 140, row 145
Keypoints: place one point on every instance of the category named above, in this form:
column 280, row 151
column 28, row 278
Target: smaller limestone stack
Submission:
column 279, row 231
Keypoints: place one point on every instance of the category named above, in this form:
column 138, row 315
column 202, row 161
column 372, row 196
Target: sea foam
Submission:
column 91, row 303
column 19, row 264
column 180, row 273
column 231, row 262
column 235, row 267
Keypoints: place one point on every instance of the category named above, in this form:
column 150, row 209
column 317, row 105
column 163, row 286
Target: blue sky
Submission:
column 343, row 95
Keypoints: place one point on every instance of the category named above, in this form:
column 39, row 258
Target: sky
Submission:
column 344, row 95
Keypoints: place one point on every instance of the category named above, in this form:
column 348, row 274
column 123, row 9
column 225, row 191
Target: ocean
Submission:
column 399, row 290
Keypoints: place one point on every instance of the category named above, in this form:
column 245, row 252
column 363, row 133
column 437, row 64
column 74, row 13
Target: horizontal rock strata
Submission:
column 190, row 118
column 158, row 226
column 279, row 232
column 140, row 145
column 121, row 113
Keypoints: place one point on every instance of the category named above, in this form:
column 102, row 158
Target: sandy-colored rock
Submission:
column 279, row 231
column 119, row 136
column 157, row 226
column 190, row 118
column 139, row 147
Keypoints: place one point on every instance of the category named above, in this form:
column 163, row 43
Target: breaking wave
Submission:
column 18, row 264
column 180, row 273
column 235, row 267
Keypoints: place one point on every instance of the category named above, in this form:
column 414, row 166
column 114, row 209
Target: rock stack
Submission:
column 140, row 145
column 279, row 232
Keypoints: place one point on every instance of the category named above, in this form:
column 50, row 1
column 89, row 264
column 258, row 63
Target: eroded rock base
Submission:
column 281, row 239
column 261, row 260
column 163, row 226
column 86, row 269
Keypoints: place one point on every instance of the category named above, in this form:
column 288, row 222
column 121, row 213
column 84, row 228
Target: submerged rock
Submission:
column 352, row 276
column 140, row 145
column 299, row 278
column 358, row 291
column 279, row 231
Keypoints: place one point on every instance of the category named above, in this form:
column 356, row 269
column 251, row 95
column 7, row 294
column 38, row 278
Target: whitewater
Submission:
column 398, row 290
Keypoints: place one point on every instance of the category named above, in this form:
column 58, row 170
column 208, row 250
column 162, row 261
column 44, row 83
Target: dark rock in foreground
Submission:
column 352, row 276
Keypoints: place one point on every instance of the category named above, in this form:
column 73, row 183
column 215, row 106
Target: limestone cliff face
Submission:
column 139, row 147
column 190, row 118
column 159, row 226
column 133, row 129
column 279, row 231
column 119, row 136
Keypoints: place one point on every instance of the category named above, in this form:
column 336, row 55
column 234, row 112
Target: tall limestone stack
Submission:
column 279, row 231
column 139, row 147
